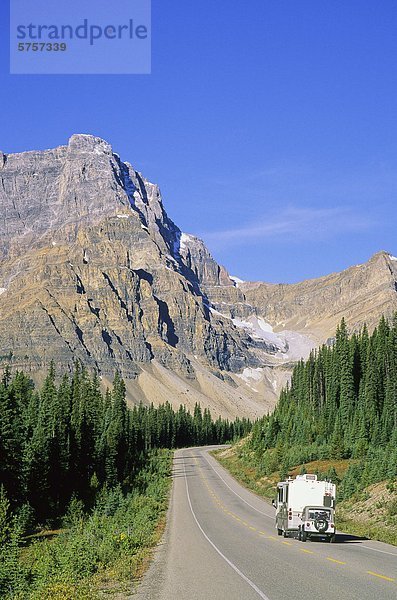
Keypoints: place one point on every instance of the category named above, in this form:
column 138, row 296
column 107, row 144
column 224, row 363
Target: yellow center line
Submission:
column 271, row 537
column 380, row 576
column 339, row 562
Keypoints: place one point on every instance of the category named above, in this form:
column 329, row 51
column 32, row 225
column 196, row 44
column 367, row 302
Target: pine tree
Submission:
column 68, row 440
column 4, row 516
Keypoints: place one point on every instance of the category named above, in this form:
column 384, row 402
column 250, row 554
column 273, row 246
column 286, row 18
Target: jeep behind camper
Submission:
column 294, row 495
column 317, row 522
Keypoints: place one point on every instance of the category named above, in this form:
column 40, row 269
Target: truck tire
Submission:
column 332, row 539
column 285, row 533
column 279, row 532
column 303, row 536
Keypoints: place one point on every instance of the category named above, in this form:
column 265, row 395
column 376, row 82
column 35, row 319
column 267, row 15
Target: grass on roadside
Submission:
column 245, row 473
column 371, row 530
column 99, row 555
column 371, row 513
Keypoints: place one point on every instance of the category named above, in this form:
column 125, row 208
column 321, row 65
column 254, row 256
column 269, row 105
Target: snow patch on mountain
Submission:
column 250, row 376
column 236, row 280
column 249, row 373
column 184, row 241
column 216, row 312
column 259, row 328
column 299, row 345
column 289, row 345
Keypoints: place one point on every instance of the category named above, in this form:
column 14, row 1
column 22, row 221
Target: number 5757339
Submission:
column 41, row 47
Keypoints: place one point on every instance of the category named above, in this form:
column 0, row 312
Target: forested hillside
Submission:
column 341, row 403
column 71, row 439
column 75, row 458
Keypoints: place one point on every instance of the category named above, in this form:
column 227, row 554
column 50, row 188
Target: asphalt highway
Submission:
column 220, row 544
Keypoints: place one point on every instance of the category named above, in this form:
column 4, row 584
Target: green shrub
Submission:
column 392, row 508
column 4, row 516
column 119, row 527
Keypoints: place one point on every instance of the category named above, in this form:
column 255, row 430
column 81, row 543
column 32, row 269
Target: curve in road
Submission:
column 220, row 543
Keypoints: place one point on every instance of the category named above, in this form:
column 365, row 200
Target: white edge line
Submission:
column 269, row 517
column 235, row 493
column 229, row 562
column 376, row 550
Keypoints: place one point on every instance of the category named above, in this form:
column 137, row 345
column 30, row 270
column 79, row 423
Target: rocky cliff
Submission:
column 92, row 268
column 360, row 294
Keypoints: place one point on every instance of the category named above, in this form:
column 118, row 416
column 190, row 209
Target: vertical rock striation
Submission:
column 93, row 269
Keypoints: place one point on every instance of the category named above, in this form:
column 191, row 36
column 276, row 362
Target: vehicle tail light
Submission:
column 307, row 524
column 332, row 525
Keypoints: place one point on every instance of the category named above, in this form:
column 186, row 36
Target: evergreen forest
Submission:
column 341, row 404
column 70, row 439
column 84, row 482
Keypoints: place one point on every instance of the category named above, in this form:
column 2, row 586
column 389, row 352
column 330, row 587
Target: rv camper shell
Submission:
column 293, row 495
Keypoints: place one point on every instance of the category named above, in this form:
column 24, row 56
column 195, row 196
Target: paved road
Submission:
column 220, row 544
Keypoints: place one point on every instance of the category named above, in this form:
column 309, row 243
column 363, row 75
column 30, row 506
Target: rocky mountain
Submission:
column 92, row 268
column 360, row 294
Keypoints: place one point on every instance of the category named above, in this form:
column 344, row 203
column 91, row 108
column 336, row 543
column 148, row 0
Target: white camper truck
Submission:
column 294, row 495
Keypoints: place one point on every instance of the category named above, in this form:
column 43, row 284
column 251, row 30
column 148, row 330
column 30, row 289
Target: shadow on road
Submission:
column 182, row 467
column 342, row 538
column 179, row 458
column 177, row 472
column 347, row 538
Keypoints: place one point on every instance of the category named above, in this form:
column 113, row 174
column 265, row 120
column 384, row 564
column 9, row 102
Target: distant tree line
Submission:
column 341, row 403
column 68, row 439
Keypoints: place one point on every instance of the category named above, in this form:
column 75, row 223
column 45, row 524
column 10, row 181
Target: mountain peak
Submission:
column 380, row 253
column 92, row 268
column 84, row 142
column 382, row 258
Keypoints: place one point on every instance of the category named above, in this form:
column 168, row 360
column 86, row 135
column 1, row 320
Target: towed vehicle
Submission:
column 317, row 522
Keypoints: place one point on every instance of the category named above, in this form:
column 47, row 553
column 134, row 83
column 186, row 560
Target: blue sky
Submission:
column 270, row 127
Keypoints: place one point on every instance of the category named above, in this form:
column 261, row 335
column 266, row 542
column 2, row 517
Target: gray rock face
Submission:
column 92, row 268
column 47, row 196
column 360, row 294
